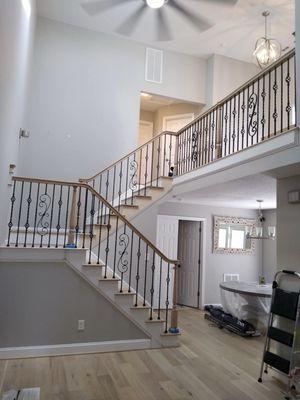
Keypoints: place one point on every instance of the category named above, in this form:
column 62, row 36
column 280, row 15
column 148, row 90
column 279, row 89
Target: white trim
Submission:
column 74, row 348
column 203, row 246
column 177, row 116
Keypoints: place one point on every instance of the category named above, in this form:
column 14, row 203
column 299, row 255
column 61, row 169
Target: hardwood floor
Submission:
column 211, row 364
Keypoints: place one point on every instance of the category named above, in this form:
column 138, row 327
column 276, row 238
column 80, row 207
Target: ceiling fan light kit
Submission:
column 155, row 3
column 266, row 50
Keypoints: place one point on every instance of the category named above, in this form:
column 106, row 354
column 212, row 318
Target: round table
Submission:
column 247, row 301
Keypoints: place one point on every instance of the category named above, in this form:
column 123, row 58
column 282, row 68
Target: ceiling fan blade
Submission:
column 223, row 2
column 162, row 26
column 99, row 6
column 128, row 26
column 200, row 23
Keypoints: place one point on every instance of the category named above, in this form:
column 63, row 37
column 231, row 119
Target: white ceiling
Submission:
column 240, row 193
column 234, row 31
column 154, row 102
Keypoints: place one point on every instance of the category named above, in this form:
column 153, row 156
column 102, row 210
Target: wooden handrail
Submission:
column 259, row 75
column 105, row 202
column 128, row 155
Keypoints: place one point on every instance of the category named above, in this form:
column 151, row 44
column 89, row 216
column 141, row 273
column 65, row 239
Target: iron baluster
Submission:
column 35, row 215
column 66, row 216
column 20, row 213
column 51, row 216
column 59, row 215
column 137, row 278
column 145, row 275
column 91, row 233
column 29, row 200
column 159, row 289
column 152, row 286
column 10, row 223
column 167, row 297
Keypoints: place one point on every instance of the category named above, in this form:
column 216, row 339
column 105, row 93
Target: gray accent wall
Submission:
column 41, row 304
column 288, row 225
column 83, row 111
column 248, row 266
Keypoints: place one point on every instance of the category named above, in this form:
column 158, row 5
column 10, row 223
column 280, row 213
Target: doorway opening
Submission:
column 160, row 113
column 172, row 239
column 189, row 254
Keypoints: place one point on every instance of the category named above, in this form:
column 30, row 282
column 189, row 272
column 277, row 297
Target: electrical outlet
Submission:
column 81, row 324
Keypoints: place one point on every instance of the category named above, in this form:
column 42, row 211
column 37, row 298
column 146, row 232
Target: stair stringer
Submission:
column 153, row 329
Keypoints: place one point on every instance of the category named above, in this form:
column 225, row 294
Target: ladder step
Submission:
column 281, row 336
column 277, row 362
column 285, row 304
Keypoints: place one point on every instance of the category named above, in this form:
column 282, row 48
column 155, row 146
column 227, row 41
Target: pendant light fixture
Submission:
column 266, row 50
column 258, row 230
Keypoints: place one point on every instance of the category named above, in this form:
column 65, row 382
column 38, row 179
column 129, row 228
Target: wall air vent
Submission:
column 154, row 65
column 231, row 277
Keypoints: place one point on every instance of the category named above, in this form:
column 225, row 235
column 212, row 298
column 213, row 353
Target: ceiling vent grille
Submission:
column 154, row 65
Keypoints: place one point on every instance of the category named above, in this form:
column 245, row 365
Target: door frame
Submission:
column 177, row 218
column 177, row 116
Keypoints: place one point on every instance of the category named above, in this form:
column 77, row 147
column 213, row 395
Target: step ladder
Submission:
column 284, row 304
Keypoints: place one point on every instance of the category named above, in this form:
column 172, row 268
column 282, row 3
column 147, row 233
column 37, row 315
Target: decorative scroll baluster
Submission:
column 51, row 216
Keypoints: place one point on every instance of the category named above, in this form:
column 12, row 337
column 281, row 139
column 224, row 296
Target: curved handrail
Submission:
column 128, row 155
column 106, row 203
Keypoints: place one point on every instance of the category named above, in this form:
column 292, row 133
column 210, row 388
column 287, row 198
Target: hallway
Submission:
column 210, row 365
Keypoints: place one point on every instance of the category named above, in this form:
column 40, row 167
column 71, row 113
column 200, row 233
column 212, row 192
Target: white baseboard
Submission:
column 74, row 348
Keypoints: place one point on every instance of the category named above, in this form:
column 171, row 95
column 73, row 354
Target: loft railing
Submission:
column 262, row 108
column 55, row 214
column 136, row 172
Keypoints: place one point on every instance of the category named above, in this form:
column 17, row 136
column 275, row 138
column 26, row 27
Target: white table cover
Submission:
column 247, row 301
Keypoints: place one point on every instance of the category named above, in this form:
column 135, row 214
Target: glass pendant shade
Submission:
column 155, row 3
column 267, row 51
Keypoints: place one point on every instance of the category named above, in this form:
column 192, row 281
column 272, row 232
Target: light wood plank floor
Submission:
column 211, row 364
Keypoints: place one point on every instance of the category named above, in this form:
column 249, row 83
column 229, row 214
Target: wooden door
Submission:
column 189, row 254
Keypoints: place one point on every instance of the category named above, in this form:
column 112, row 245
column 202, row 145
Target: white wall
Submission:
column 16, row 36
column 269, row 248
column 288, row 225
column 225, row 75
column 85, row 98
column 248, row 266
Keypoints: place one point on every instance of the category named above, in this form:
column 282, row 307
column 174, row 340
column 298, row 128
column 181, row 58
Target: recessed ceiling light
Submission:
column 155, row 3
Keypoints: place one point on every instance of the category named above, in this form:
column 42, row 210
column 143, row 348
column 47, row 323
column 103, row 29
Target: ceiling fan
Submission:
column 96, row 7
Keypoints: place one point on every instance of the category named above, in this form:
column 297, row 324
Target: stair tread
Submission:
column 109, row 279
column 170, row 334
column 281, row 336
column 155, row 321
column 140, row 308
column 128, row 206
column 277, row 362
column 93, row 265
column 124, row 294
column 140, row 196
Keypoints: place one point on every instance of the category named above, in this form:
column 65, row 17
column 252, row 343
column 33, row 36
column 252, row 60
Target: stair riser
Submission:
column 109, row 287
column 125, row 301
column 140, row 315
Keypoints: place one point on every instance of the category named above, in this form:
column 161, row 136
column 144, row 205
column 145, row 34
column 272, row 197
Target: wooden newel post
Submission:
column 219, row 134
column 72, row 222
column 174, row 312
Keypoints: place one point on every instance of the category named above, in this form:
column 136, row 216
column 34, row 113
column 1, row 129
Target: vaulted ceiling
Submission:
column 233, row 31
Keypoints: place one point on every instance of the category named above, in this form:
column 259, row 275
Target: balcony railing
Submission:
column 262, row 108
column 55, row 214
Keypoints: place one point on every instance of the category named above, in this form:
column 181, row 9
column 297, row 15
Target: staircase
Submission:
column 95, row 213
